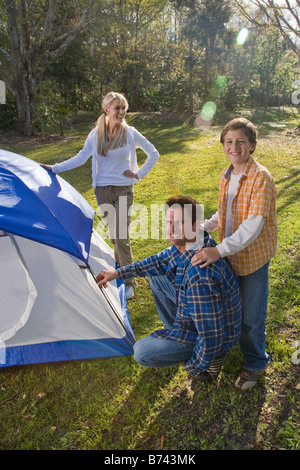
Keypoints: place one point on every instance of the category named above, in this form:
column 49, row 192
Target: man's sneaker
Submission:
column 216, row 365
column 129, row 292
column 214, row 369
column 247, row 379
column 204, row 376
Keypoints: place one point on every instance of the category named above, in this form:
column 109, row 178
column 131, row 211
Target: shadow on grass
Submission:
column 287, row 190
column 132, row 425
column 216, row 416
column 195, row 415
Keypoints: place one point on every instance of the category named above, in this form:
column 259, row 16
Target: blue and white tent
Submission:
column 51, row 308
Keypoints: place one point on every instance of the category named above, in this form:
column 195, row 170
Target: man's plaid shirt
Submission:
column 208, row 302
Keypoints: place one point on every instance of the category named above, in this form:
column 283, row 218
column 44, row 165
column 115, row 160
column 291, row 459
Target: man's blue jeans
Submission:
column 157, row 352
column 164, row 296
column 255, row 290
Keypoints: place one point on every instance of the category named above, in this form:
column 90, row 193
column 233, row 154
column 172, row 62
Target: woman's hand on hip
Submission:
column 130, row 174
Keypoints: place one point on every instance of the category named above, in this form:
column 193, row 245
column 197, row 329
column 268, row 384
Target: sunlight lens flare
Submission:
column 221, row 81
column 208, row 111
column 242, row 36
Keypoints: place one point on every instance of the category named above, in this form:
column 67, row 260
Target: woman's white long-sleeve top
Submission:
column 135, row 140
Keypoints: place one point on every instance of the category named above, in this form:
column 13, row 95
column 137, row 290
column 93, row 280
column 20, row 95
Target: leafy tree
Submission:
column 272, row 70
column 165, row 55
column 37, row 34
column 202, row 26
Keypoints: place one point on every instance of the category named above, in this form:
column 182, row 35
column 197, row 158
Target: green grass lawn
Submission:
column 115, row 404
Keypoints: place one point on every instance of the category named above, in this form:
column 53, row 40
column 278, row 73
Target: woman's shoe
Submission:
column 129, row 292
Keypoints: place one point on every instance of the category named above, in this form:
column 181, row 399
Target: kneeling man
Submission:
column 199, row 306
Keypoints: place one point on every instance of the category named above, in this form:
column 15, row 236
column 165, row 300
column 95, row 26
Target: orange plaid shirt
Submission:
column 256, row 195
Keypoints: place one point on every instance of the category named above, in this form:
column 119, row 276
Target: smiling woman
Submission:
column 111, row 125
column 112, row 145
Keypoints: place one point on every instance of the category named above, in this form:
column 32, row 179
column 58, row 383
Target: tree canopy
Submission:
column 165, row 55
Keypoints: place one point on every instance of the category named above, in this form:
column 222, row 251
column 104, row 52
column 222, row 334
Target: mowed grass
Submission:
column 115, row 404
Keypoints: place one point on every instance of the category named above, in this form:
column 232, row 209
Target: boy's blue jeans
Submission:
column 255, row 290
column 157, row 352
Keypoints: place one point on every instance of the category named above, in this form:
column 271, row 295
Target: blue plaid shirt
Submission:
column 208, row 301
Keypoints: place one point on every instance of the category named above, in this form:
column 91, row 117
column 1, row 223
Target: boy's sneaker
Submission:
column 247, row 379
column 129, row 292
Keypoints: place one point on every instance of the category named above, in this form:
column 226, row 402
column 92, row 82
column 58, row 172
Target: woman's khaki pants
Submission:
column 115, row 206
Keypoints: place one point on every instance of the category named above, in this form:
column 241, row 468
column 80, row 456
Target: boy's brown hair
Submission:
column 241, row 123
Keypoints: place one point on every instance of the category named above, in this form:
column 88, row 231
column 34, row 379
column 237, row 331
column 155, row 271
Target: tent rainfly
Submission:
column 51, row 308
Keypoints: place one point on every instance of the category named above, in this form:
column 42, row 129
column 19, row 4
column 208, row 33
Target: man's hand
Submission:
column 106, row 276
column 206, row 256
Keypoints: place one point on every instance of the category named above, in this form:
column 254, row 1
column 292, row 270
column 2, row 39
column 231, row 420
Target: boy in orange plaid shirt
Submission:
column 246, row 220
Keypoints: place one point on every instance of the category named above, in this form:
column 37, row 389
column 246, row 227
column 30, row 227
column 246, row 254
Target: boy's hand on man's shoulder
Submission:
column 205, row 256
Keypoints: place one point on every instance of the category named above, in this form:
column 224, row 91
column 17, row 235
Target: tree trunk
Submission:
column 25, row 99
column 22, row 85
column 191, row 78
column 26, row 112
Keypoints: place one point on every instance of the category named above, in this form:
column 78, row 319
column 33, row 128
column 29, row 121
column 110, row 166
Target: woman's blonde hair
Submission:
column 105, row 142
